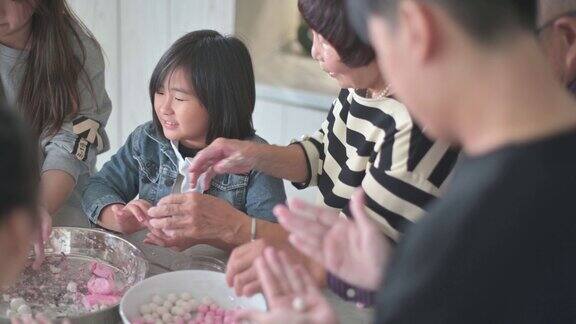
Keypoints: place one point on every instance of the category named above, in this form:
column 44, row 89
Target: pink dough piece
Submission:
column 95, row 299
column 101, row 286
column 203, row 309
column 101, row 270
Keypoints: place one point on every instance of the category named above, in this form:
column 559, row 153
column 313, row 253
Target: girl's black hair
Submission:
column 219, row 69
column 18, row 166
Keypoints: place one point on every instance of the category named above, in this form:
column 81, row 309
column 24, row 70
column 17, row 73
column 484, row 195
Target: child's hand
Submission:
column 126, row 219
column 42, row 237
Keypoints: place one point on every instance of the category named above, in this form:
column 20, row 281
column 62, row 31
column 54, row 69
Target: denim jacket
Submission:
column 147, row 166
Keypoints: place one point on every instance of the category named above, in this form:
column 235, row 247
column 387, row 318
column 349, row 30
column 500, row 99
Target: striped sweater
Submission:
column 376, row 145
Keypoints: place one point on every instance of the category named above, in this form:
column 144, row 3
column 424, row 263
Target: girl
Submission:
column 52, row 71
column 202, row 88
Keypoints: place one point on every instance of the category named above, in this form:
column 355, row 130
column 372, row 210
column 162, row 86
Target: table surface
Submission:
column 162, row 260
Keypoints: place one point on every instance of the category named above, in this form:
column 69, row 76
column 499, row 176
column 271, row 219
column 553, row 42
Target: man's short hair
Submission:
column 485, row 20
column 329, row 19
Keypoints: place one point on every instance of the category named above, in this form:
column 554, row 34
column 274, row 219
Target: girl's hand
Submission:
column 354, row 250
column 291, row 294
column 42, row 237
column 223, row 156
column 199, row 217
column 126, row 219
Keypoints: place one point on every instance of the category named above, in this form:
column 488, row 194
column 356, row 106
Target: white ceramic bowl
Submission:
column 198, row 283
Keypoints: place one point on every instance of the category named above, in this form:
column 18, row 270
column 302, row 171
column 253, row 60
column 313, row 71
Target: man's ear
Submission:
column 420, row 23
column 566, row 28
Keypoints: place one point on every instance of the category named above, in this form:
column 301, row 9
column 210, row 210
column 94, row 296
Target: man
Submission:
column 499, row 248
column 556, row 29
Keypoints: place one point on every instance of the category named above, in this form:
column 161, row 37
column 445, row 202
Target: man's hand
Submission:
column 292, row 295
column 354, row 250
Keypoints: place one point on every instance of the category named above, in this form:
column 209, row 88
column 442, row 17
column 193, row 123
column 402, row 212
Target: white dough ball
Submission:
column 193, row 305
column 24, row 309
column 161, row 310
column 145, row 309
column 158, row 300
column 166, row 317
column 168, row 304
column 15, row 303
column 184, row 307
column 181, row 302
column 207, row 301
column 153, row 307
column 185, row 296
column 148, row 318
column 72, row 287
column 172, row 297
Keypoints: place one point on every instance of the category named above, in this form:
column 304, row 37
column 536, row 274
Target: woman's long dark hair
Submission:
column 219, row 69
column 49, row 89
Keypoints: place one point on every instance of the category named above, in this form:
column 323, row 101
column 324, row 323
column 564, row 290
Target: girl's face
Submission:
column 15, row 18
column 183, row 117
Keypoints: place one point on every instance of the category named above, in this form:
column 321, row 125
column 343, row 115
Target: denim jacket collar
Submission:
column 165, row 145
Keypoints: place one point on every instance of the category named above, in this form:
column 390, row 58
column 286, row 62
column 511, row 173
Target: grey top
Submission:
column 61, row 151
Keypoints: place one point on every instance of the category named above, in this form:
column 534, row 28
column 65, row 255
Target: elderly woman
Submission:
column 368, row 140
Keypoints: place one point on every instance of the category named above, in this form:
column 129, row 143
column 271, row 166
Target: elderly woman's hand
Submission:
column 202, row 218
column 292, row 295
column 157, row 237
column 354, row 250
column 223, row 156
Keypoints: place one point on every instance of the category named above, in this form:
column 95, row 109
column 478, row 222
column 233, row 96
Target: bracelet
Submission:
column 253, row 230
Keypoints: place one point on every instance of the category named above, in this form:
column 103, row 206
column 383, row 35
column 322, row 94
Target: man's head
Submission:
column 432, row 51
column 557, row 32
